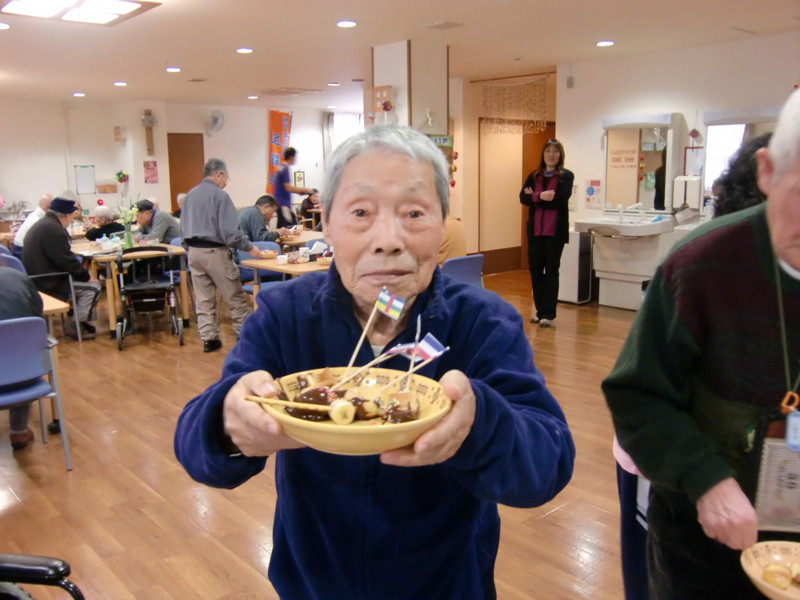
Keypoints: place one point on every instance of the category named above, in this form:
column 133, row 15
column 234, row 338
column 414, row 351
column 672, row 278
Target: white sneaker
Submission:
column 544, row 322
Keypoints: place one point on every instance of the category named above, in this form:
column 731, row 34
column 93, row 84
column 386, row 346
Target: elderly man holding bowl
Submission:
column 413, row 522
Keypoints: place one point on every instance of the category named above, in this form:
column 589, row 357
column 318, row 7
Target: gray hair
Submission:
column 394, row 138
column 784, row 147
column 213, row 165
column 267, row 199
column 104, row 212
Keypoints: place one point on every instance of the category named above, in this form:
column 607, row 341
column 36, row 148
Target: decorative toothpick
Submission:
column 390, row 305
column 416, row 368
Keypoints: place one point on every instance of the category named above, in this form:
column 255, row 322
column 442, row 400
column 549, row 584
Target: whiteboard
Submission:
column 84, row 179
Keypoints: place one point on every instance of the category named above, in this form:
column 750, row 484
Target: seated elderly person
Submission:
column 105, row 224
column 254, row 220
column 47, row 250
column 156, row 224
column 346, row 524
column 33, row 217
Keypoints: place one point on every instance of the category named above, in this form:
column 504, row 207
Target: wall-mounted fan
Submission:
column 215, row 121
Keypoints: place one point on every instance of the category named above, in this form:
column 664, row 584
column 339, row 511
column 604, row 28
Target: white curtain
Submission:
column 339, row 126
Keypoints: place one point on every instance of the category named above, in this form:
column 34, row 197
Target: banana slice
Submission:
column 342, row 412
column 778, row 575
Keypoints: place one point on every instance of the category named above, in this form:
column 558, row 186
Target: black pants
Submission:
column 544, row 259
column 685, row 564
column 633, row 539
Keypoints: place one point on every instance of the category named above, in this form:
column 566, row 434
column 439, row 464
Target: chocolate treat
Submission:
column 317, row 395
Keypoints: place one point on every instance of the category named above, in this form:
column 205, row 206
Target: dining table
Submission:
column 295, row 241
column 290, row 269
column 7, row 238
column 108, row 260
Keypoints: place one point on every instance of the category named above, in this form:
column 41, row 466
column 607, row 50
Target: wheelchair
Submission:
column 34, row 570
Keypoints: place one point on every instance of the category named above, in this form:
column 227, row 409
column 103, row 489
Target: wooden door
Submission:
column 186, row 159
column 532, row 144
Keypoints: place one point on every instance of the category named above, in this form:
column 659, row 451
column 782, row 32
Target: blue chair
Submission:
column 26, row 356
column 467, row 269
column 246, row 273
column 7, row 260
column 5, row 251
column 15, row 263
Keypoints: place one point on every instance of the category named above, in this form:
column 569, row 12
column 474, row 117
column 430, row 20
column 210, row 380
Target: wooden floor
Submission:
column 133, row 525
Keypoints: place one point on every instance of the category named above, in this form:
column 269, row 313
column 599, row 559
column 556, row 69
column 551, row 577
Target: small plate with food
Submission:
column 374, row 411
column 269, row 253
column 774, row 568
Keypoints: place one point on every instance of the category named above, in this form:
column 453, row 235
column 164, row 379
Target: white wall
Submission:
column 42, row 141
column 748, row 74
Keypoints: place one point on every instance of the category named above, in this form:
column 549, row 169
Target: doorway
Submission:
column 186, row 160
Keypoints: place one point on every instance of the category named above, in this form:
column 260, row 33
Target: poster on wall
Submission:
column 84, row 179
column 151, row 171
column 594, row 194
column 280, row 128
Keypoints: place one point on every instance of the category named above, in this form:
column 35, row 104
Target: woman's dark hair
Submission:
column 737, row 187
column 560, row 166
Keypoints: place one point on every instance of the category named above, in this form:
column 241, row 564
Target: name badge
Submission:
column 793, row 431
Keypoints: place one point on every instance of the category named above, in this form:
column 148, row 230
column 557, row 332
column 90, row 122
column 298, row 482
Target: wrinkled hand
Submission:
column 283, row 232
column 443, row 440
column 727, row 515
column 255, row 252
column 249, row 426
column 547, row 196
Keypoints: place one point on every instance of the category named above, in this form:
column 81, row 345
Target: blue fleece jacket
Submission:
column 351, row 528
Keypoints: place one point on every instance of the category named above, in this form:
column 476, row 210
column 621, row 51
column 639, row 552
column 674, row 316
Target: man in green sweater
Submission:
column 714, row 349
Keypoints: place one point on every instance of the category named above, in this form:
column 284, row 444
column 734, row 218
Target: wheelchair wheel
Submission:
column 9, row 591
column 179, row 323
column 120, row 334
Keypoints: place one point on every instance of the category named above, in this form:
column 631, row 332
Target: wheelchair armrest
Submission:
column 25, row 568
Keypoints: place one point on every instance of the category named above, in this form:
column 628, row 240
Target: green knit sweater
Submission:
column 703, row 359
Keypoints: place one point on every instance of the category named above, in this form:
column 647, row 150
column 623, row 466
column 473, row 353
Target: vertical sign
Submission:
column 280, row 126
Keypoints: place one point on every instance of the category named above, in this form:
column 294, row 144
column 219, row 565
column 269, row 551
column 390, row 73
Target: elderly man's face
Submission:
column 386, row 226
column 143, row 217
column 267, row 212
column 783, row 207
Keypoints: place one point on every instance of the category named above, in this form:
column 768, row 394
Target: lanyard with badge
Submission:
column 778, row 490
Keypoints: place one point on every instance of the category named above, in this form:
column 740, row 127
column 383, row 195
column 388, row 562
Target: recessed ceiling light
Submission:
column 120, row 83
column 333, row 84
column 5, row 26
column 330, row 107
column 346, row 24
column 244, row 50
column 604, row 43
column 252, row 97
column 173, row 69
column 37, row 8
column 78, row 94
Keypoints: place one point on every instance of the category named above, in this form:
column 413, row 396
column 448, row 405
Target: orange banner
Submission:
column 280, row 127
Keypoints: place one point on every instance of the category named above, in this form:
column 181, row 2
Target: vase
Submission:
column 128, row 237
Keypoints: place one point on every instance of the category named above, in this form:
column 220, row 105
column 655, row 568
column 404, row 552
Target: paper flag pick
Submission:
column 389, row 304
column 430, row 347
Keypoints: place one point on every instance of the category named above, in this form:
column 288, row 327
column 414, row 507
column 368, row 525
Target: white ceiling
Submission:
column 297, row 44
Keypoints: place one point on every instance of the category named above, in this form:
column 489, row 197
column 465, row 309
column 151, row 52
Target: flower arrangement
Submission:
column 127, row 216
column 122, row 176
column 387, row 106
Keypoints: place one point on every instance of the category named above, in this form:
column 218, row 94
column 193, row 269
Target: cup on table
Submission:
column 282, row 259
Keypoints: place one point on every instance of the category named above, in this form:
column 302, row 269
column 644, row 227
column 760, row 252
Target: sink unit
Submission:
column 627, row 249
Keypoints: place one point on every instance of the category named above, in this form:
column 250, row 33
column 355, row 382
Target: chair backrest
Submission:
column 175, row 241
column 24, row 340
column 12, row 261
column 5, row 251
column 468, row 269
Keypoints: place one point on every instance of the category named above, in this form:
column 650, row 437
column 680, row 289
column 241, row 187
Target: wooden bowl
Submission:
column 364, row 437
column 325, row 260
column 269, row 253
column 755, row 558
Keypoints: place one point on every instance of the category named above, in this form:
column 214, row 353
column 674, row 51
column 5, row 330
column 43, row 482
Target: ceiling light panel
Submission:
column 38, row 8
